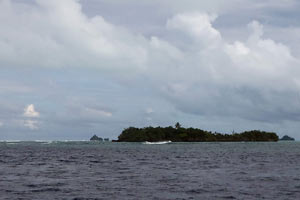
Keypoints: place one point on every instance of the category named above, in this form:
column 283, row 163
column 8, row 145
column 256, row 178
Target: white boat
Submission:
column 161, row 142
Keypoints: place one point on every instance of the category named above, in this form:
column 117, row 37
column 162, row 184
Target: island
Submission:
column 96, row 138
column 180, row 134
column 287, row 138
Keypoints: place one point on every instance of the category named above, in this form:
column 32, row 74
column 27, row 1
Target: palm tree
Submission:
column 177, row 125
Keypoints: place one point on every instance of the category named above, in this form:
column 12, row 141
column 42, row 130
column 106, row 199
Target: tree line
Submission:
column 180, row 134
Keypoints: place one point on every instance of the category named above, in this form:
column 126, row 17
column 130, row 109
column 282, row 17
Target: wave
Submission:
column 160, row 142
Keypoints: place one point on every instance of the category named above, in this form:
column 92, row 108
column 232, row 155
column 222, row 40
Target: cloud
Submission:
column 97, row 112
column 253, row 79
column 31, row 124
column 85, row 113
column 187, row 63
column 57, row 31
column 1, row 124
column 198, row 26
column 30, row 112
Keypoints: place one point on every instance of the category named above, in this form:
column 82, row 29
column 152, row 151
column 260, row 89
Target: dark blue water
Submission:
column 83, row 170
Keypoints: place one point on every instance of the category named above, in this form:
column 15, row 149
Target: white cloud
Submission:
column 237, row 49
column 198, row 26
column 60, row 35
column 30, row 111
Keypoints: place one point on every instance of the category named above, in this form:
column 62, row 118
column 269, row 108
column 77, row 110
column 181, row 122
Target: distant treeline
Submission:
column 180, row 134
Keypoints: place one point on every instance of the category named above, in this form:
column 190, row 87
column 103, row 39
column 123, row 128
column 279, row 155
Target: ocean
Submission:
column 91, row 170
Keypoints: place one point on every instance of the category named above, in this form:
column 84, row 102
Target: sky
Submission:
column 73, row 68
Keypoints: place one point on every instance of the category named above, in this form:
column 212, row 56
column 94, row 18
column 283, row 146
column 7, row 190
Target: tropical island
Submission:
column 180, row 134
column 98, row 139
column 287, row 138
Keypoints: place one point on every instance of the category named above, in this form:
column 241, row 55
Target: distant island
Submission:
column 287, row 138
column 96, row 138
column 99, row 139
column 180, row 134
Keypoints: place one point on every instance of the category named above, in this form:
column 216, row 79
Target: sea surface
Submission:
column 91, row 170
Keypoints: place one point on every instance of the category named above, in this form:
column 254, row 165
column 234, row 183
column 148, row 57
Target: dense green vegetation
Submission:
column 180, row 134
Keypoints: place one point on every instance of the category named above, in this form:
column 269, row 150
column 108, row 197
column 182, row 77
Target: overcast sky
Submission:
column 73, row 68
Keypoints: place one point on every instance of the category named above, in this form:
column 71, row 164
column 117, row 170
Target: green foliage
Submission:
column 179, row 134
